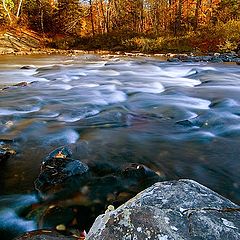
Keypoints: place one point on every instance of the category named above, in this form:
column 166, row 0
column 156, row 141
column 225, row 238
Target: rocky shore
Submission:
column 232, row 57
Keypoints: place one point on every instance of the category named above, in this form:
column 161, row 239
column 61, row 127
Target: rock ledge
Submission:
column 178, row 210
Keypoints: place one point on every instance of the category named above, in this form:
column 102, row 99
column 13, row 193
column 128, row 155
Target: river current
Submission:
column 179, row 119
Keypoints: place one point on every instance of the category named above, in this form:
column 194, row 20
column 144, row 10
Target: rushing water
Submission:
column 180, row 119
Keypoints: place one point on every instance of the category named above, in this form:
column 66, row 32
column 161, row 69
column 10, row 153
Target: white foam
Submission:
column 40, row 79
column 154, row 87
column 71, row 136
column 67, row 136
column 107, row 87
column 115, row 97
column 110, row 73
column 6, row 112
column 115, row 82
column 187, row 82
column 28, row 72
column 186, row 102
column 48, row 115
column 178, row 71
column 89, row 85
column 67, row 118
column 62, row 86
column 64, row 78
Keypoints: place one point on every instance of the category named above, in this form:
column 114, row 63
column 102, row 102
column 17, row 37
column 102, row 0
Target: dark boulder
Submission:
column 56, row 170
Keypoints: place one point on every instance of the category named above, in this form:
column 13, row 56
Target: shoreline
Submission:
column 232, row 57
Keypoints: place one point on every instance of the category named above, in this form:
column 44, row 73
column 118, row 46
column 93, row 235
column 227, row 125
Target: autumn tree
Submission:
column 39, row 15
column 227, row 10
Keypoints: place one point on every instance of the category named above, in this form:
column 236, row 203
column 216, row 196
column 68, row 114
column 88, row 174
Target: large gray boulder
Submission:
column 178, row 210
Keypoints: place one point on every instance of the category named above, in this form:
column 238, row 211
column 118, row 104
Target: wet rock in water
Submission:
column 77, row 193
column 138, row 170
column 120, row 185
column 173, row 60
column 216, row 60
column 61, row 175
column 21, row 84
column 62, row 152
column 57, row 168
column 74, row 190
column 5, row 153
column 181, row 209
column 46, row 235
column 139, row 173
column 27, row 67
column 186, row 123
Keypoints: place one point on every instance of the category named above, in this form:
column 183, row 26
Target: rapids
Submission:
column 180, row 119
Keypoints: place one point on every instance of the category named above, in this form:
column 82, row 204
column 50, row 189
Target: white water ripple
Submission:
column 7, row 112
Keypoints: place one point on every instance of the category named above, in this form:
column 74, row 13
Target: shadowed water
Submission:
column 180, row 119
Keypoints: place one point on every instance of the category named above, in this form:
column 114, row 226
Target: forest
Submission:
column 134, row 25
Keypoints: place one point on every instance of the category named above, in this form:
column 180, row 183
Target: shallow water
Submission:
column 180, row 119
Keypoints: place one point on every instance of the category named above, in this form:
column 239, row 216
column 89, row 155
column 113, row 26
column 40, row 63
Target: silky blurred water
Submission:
column 180, row 119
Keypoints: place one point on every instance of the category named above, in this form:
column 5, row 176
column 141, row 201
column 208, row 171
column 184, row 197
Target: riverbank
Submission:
column 25, row 42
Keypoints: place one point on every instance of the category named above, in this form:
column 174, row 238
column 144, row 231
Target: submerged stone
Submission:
column 49, row 217
column 5, row 153
column 20, row 84
column 141, row 171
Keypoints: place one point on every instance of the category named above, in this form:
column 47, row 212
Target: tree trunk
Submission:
column 104, row 17
column 179, row 16
column 198, row 6
column 19, row 8
column 42, row 25
column 91, row 16
column 7, row 11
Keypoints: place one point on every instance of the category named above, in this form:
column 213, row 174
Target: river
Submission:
column 179, row 119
